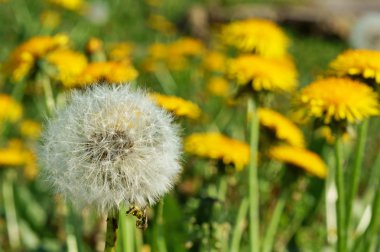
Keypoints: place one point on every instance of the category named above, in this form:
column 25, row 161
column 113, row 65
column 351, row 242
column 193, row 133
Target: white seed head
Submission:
column 111, row 145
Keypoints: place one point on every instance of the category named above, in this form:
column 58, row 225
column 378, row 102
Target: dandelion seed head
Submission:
column 111, row 145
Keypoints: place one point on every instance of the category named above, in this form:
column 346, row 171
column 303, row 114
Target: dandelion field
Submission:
column 122, row 131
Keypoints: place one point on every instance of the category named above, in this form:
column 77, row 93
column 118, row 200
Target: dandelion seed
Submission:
column 111, row 145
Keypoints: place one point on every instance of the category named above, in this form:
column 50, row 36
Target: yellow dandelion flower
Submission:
column 154, row 3
column 174, row 55
column 338, row 99
column 358, row 62
column 262, row 73
column 177, row 105
column 73, row 5
column 13, row 154
column 158, row 51
column 31, row 167
column 161, row 24
column 10, row 109
column 121, row 51
column 301, row 158
column 327, row 133
column 219, row 147
column 218, row 86
column 283, row 128
column 186, row 47
column 111, row 71
column 258, row 36
column 94, row 45
column 23, row 58
column 30, row 129
column 50, row 19
column 214, row 61
column 179, row 51
column 70, row 65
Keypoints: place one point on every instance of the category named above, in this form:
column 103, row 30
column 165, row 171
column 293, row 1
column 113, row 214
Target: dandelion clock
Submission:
column 111, row 146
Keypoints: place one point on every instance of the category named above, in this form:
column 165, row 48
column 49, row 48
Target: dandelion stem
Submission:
column 111, row 235
column 165, row 79
column 253, row 126
column 71, row 230
column 49, row 97
column 139, row 239
column 355, row 173
column 275, row 220
column 159, row 236
column 371, row 232
column 10, row 211
column 19, row 90
column 340, row 204
column 365, row 241
column 239, row 226
column 126, row 230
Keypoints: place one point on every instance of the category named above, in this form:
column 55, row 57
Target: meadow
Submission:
column 278, row 131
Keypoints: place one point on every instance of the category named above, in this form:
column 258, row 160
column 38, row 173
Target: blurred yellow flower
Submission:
column 154, row 3
column 73, row 5
column 215, row 61
column 219, row 147
column 338, row 99
column 283, row 128
column 262, row 73
column 50, row 19
column 358, row 62
column 327, row 133
column 301, row 158
column 180, row 50
column 177, row 105
column 23, row 58
column 161, row 24
column 70, row 65
column 10, row 109
column 94, row 45
column 258, row 36
column 15, row 154
column 30, row 129
column 186, row 46
column 158, row 51
column 110, row 71
column 175, row 54
column 30, row 168
column 218, row 86
column 14, row 148
column 121, row 51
